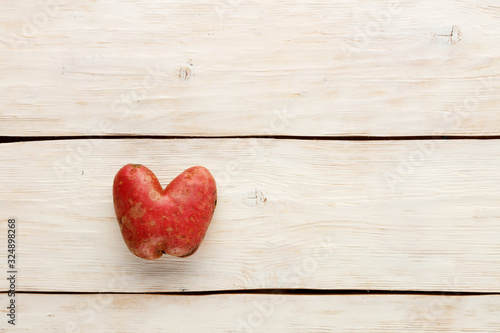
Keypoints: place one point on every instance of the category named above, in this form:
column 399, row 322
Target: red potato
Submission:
column 154, row 221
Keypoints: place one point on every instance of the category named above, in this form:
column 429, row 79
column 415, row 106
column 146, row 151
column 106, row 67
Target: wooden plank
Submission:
column 377, row 215
column 255, row 313
column 221, row 68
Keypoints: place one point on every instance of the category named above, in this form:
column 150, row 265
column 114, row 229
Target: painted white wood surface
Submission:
column 215, row 68
column 379, row 215
column 257, row 313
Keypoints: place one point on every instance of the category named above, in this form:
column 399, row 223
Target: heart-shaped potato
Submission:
column 154, row 221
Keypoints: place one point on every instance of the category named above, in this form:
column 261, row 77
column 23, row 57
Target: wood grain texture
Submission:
column 257, row 313
column 377, row 215
column 217, row 68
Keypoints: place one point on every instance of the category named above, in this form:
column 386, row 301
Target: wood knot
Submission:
column 450, row 37
column 455, row 34
column 184, row 73
column 254, row 198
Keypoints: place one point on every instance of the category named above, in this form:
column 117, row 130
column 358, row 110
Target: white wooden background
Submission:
column 412, row 218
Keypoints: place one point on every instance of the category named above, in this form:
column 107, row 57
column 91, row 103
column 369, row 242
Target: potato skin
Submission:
column 154, row 221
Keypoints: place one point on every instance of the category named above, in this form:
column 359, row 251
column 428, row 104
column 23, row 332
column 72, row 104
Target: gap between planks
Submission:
column 329, row 292
column 13, row 139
